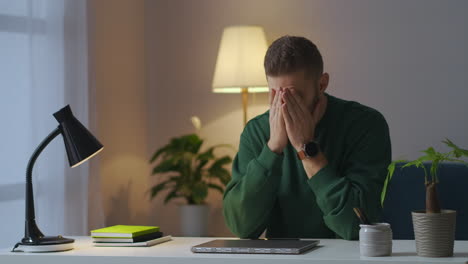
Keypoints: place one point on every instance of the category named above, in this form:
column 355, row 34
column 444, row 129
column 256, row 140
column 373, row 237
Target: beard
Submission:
column 314, row 103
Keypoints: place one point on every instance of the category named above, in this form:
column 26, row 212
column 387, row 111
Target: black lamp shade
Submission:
column 80, row 144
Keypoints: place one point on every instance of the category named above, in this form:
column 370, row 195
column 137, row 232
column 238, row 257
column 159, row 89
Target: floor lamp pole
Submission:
column 245, row 102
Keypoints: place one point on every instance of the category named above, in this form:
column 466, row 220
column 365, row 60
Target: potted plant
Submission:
column 434, row 229
column 188, row 173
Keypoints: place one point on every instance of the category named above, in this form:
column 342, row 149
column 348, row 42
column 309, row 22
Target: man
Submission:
column 303, row 165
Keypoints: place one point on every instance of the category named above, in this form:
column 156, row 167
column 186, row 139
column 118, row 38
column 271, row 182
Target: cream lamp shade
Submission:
column 239, row 66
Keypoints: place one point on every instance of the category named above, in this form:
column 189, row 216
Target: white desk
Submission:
column 178, row 251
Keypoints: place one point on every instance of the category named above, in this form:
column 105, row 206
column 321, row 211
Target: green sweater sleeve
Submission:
column 250, row 195
column 360, row 182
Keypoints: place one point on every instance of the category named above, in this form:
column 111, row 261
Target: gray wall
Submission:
column 118, row 66
column 407, row 59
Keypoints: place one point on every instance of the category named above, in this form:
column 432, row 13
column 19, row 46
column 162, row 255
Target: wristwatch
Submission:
column 309, row 150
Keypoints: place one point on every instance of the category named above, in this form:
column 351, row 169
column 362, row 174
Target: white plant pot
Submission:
column 194, row 220
column 434, row 233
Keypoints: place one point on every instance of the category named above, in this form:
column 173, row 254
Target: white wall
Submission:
column 407, row 59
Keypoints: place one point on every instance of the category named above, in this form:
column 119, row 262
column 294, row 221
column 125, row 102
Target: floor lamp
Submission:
column 239, row 65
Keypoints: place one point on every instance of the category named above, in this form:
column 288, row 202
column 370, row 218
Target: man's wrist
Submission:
column 274, row 148
column 313, row 165
column 308, row 150
column 302, row 144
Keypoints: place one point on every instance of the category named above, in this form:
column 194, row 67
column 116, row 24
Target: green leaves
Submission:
column 216, row 187
column 199, row 192
column 431, row 153
column 458, row 152
column 217, row 171
column 188, row 143
column 192, row 173
column 166, row 166
column 171, row 195
column 390, row 171
column 159, row 187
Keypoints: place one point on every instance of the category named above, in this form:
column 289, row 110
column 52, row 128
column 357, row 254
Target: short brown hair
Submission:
column 289, row 54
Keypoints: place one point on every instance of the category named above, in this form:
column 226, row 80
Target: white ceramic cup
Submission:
column 375, row 240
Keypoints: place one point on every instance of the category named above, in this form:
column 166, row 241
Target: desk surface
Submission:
column 178, row 251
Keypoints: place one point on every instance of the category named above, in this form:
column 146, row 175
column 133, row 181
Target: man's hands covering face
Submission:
column 291, row 119
column 300, row 122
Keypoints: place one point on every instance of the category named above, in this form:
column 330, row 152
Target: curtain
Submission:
column 43, row 67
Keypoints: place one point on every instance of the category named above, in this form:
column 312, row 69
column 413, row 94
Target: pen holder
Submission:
column 375, row 240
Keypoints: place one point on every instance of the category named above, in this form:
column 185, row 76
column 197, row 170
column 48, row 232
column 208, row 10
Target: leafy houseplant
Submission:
column 434, row 158
column 189, row 173
column 434, row 228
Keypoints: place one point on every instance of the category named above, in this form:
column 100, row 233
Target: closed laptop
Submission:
column 256, row 246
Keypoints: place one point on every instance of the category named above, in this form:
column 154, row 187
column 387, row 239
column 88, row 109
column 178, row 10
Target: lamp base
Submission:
column 46, row 244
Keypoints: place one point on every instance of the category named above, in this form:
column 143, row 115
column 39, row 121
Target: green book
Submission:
column 124, row 231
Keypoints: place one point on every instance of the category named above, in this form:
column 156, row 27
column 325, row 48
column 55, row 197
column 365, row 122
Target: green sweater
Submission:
column 272, row 192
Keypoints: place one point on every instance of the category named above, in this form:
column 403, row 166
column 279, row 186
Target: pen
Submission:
column 277, row 238
column 362, row 217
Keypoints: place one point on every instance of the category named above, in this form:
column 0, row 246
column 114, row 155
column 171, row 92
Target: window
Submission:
column 40, row 72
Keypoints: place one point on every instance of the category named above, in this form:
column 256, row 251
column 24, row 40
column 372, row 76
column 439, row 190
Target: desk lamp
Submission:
column 80, row 146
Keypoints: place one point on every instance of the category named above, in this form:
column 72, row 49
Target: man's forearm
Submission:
column 250, row 196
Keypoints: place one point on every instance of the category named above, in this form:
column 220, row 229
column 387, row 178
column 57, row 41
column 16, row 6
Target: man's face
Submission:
column 308, row 88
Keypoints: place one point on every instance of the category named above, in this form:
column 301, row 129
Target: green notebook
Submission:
column 124, row 231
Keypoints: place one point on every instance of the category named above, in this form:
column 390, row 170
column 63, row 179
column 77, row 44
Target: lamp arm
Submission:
column 31, row 229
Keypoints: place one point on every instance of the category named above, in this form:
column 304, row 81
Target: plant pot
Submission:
column 194, row 220
column 434, row 233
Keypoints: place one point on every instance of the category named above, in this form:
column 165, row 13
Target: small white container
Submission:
column 375, row 240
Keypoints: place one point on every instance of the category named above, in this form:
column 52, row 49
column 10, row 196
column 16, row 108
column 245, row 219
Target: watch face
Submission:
column 311, row 149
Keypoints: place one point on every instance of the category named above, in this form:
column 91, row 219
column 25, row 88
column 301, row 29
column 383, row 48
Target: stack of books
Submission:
column 128, row 236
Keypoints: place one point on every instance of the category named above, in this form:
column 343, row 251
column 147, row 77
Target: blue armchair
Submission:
column 406, row 192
